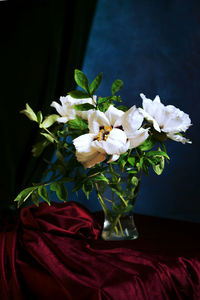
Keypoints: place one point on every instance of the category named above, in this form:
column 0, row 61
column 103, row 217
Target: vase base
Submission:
column 128, row 230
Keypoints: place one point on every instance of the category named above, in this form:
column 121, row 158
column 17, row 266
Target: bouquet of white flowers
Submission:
column 102, row 145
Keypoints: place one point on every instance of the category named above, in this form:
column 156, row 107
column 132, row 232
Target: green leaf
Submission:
column 84, row 107
column 117, row 191
column 39, row 117
column 116, row 98
column 24, row 195
column 122, row 163
column 134, row 181
column 87, row 188
column 148, row 144
column 158, row 169
column 159, row 136
column 42, row 191
column 164, row 148
column 131, row 161
column 78, row 123
column 103, row 107
column 48, row 137
column 129, row 208
column 95, row 84
column 39, row 147
column 77, row 186
column 29, row 113
column 132, row 171
column 50, row 120
column 104, row 99
column 35, row 197
column 122, row 107
column 157, row 153
column 78, row 94
column 141, row 161
column 60, row 190
column 96, row 170
column 100, row 177
column 81, row 80
column 144, row 165
column 116, row 86
column 109, row 99
column 60, row 156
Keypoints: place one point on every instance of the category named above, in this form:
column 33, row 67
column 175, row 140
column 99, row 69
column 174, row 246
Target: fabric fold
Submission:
column 56, row 252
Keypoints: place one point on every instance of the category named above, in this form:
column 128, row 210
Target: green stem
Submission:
column 120, row 227
column 114, row 224
column 123, row 200
column 55, row 138
column 100, row 198
column 51, row 134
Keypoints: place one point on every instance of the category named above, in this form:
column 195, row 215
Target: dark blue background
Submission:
column 154, row 47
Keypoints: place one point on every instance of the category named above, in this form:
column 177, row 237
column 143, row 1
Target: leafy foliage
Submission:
column 49, row 121
column 30, row 113
column 81, row 80
column 121, row 177
column 95, row 84
column 84, row 107
column 78, row 94
column 77, row 123
column 116, row 86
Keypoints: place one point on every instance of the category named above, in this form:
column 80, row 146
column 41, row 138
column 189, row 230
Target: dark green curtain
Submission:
column 41, row 43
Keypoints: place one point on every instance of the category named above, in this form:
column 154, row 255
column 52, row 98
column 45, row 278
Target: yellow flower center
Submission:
column 104, row 133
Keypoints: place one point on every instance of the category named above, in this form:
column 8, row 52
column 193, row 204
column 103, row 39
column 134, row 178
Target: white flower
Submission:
column 66, row 109
column 167, row 119
column 112, row 133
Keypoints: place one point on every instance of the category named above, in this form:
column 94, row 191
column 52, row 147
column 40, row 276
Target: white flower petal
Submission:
column 149, row 118
column 113, row 158
column 176, row 120
column 131, row 120
column 66, row 109
column 91, row 159
column 95, row 98
column 170, row 119
column 83, row 143
column 146, row 104
column 63, row 120
column 178, row 138
column 157, row 99
column 58, row 107
column 154, row 108
column 138, row 137
column 96, row 119
column 84, row 114
column 116, row 143
column 66, row 99
column 113, row 114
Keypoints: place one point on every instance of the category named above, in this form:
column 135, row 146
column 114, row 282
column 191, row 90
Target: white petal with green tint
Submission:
column 178, row 138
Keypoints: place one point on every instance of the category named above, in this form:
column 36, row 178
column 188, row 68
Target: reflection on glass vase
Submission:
column 125, row 229
column 117, row 198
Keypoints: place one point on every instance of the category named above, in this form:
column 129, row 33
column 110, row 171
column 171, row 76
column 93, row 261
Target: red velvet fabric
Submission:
column 55, row 252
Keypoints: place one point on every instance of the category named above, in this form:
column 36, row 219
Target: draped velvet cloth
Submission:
column 55, row 252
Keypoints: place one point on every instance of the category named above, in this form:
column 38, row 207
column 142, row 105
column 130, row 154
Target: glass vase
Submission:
column 117, row 198
column 125, row 229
